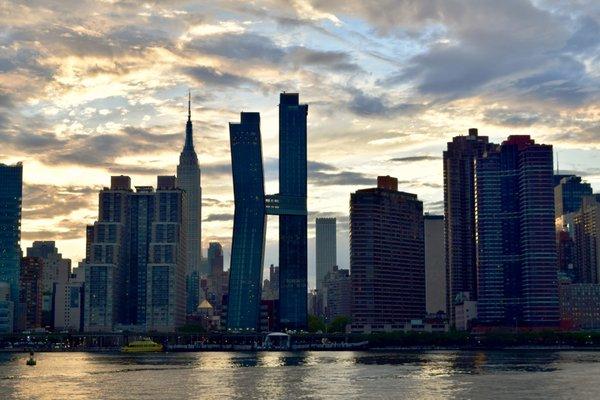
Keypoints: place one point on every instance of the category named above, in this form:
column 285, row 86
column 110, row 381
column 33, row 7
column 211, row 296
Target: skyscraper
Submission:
column 56, row 270
column 292, row 226
column 587, row 240
column 11, row 195
column 568, row 196
column 166, row 269
column 435, row 263
column 249, row 222
column 107, row 270
column 516, row 249
column 135, row 272
column 31, row 293
column 387, row 261
column 326, row 250
column 188, row 177
column 459, row 212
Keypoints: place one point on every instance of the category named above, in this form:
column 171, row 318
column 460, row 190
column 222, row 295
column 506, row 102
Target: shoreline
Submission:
column 366, row 350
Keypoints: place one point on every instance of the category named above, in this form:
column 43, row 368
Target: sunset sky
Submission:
column 90, row 89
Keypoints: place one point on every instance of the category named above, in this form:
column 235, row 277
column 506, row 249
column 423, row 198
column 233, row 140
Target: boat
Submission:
column 31, row 362
column 146, row 345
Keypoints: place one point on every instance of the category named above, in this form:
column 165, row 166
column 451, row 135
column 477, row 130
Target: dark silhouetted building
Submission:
column 249, row 222
column 569, row 193
column 292, row 227
column 135, row 272
column 387, row 260
column 189, row 179
column 32, row 269
column 459, row 216
column 516, row 248
column 56, row 270
column 107, row 268
column 11, row 195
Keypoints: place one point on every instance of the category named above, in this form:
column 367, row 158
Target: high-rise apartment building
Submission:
column 516, row 249
column 31, row 293
column 459, row 216
column 166, row 269
column 188, row 177
column 107, row 268
column 587, row 240
column 11, row 195
column 337, row 294
column 387, row 260
column 292, row 226
column 135, row 272
column 435, row 263
column 249, row 224
column 326, row 249
column 56, row 270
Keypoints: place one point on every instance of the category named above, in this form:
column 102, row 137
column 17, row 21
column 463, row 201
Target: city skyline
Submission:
column 84, row 99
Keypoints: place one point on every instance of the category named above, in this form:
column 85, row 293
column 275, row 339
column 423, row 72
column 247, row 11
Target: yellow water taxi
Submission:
column 146, row 345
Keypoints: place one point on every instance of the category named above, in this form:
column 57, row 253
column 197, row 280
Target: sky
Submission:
column 90, row 89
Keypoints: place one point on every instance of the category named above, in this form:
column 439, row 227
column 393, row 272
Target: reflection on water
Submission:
column 349, row 375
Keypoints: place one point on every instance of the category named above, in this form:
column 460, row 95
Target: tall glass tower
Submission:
column 247, row 249
column 188, row 178
column 11, row 194
column 292, row 227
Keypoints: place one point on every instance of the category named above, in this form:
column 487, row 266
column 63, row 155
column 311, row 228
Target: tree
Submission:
column 316, row 324
column 338, row 325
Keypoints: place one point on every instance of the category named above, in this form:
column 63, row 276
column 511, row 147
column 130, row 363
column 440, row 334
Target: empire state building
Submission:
column 188, row 176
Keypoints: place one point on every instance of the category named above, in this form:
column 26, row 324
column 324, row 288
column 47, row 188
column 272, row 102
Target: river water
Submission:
column 280, row 375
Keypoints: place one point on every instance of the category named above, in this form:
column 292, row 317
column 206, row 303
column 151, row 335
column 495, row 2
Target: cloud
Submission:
column 49, row 201
column 218, row 217
column 322, row 174
column 410, row 159
column 363, row 104
column 213, row 77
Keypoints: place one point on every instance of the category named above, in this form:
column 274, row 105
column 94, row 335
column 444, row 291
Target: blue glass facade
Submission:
column 516, row 248
column 247, row 249
column 292, row 228
column 11, row 192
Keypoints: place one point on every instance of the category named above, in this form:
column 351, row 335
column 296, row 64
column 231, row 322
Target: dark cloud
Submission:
column 213, row 77
column 252, row 47
column 367, row 105
column 322, row 174
column 410, row 159
column 218, row 217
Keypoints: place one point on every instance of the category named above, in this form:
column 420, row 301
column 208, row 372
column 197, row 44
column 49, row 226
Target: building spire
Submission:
column 189, row 140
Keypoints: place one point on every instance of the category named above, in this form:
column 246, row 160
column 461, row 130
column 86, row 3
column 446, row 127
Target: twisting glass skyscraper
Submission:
column 188, row 178
column 247, row 248
column 292, row 226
